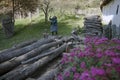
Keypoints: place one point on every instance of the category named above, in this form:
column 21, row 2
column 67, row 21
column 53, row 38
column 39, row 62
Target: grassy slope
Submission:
column 26, row 31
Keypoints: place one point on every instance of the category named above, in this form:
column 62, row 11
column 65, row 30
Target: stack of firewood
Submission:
column 25, row 59
column 34, row 59
column 93, row 25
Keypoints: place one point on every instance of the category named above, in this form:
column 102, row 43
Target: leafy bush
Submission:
column 100, row 60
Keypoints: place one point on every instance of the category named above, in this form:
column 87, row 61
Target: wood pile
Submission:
column 33, row 60
column 93, row 25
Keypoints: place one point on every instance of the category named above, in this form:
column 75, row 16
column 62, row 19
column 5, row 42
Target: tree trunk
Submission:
column 17, row 61
column 46, row 17
column 16, row 53
column 13, row 2
column 27, row 70
column 23, row 44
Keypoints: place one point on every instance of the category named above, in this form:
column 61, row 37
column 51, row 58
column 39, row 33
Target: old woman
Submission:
column 54, row 26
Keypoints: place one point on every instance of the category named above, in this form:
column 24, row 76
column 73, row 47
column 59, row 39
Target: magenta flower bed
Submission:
column 100, row 60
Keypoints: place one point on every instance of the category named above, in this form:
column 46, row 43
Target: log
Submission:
column 98, row 27
column 49, row 75
column 68, row 39
column 95, row 22
column 52, row 73
column 26, row 43
column 15, row 53
column 92, row 27
column 17, row 61
column 92, row 24
column 27, row 70
column 23, row 44
column 39, row 56
column 90, row 19
column 76, row 38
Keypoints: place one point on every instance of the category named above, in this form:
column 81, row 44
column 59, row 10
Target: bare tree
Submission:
column 45, row 7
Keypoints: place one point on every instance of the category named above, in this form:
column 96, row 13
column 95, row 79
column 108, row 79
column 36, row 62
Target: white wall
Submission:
column 109, row 13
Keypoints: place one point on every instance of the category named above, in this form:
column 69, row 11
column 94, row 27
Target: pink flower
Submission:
column 118, row 69
column 101, row 41
column 65, row 59
column 73, row 54
column 88, row 51
column 109, row 53
column 83, row 65
column 97, row 71
column 93, row 71
column 118, row 47
column 73, row 69
column 99, row 55
column 116, row 41
column 85, row 75
column 59, row 77
column 71, row 59
column 81, row 54
column 76, row 75
column 87, row 39
column 116, row 60
column 67, row 74
column 76, row 49
column 108, row 65
column 101, row 72
column 99, row 50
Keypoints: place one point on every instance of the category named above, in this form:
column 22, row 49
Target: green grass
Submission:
column 24, row 30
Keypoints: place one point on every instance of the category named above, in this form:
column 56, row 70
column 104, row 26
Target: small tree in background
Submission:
column 45, row 7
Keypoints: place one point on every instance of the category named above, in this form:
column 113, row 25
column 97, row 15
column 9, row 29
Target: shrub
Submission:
column 100, row 60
